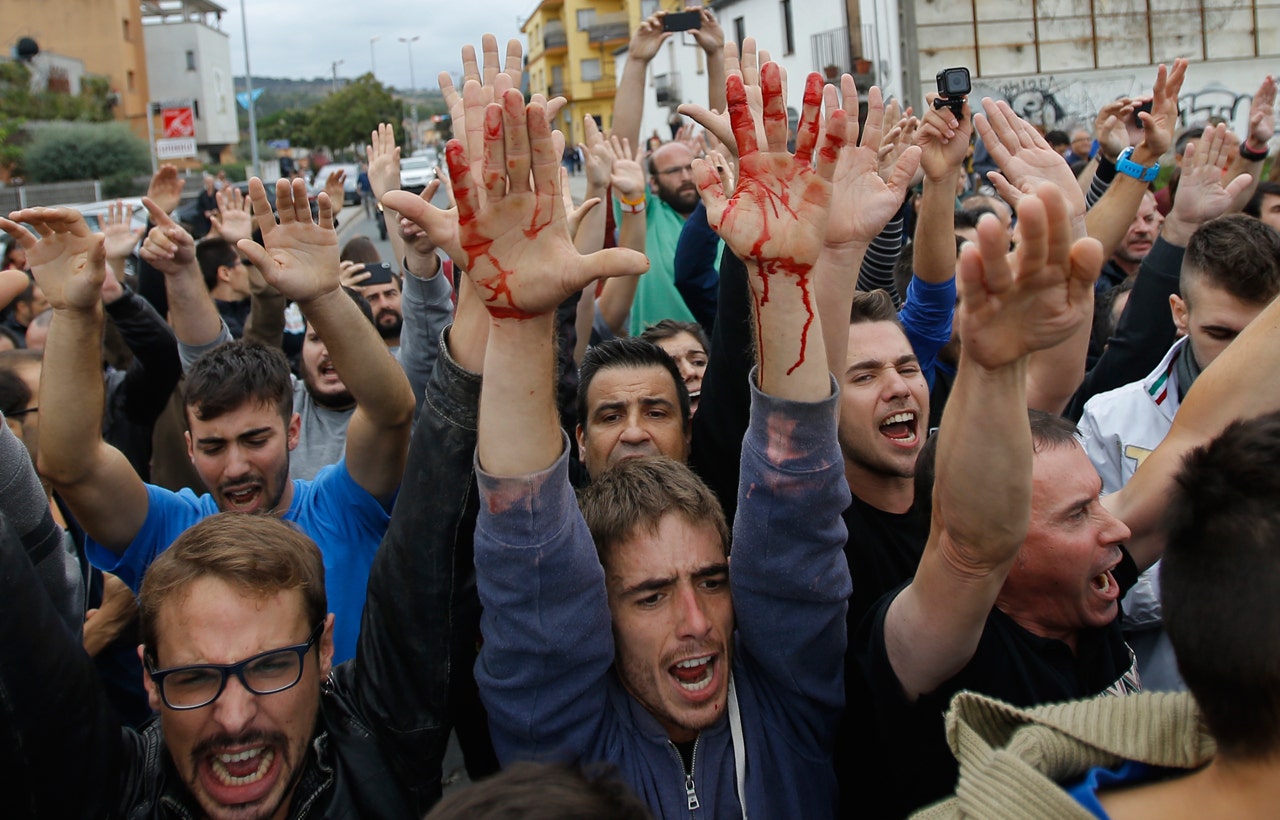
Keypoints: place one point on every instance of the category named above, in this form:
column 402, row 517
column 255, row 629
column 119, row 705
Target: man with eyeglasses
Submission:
column 254, row 718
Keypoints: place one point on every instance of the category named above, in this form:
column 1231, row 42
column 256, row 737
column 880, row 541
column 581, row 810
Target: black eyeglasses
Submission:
column 192, row 687
column 683, row 169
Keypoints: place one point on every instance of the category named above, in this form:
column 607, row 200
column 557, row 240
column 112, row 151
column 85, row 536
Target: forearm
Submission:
column 1053, row 374
column 935, row 244
column 1239, row 167
column 71, row 392
column 192, row 313
column 398, row 247
column 519, row 425
column 834, row 287
column 620, row 292
column 374, row 378
column 265, row 324
column 716, row 80
column 628, row 102
column 1108, row 221
column 793, row 355
column 156, row 367
column 427, row 306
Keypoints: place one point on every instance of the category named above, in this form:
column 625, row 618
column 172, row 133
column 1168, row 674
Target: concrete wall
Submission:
column 210, row 82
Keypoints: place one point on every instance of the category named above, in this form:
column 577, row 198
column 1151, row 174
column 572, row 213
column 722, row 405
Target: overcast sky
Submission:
column 302, row 38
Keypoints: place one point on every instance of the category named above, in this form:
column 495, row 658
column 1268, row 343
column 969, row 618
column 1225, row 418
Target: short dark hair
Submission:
column 238, row 372
column 1237, row 254
column 967, row 218
column 873, row 306
column 1050, row 431
column 1220, row 581
column 636, row 493
column 1103, row 325
column 212, row 254
column 669, row 328
column 544, row 791
column 1193, row 132
column 360, row 249
column 1057, row 138
column 259, row 554
column 634, row 352
column 1265, row 188
column 14, row 393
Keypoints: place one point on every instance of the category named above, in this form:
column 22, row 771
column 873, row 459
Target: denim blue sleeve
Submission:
column 926, row 317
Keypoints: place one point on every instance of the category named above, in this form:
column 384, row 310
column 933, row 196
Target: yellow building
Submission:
column 106, row 35
column 571, row 44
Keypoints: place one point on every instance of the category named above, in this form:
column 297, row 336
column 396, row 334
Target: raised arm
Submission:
column 300, row 259
column 1010, row 307
column 862, row 204
column 172, row 251
column 628, row 103
column 104, row 493
column 710, row 38
column 1256, row 145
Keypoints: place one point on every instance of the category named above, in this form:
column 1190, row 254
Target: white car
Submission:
column 416, row 173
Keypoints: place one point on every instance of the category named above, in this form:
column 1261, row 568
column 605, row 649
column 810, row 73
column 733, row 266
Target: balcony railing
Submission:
column 666, row 87
column 831, row 53
column 553, row 36
column 609, row 28
column 604, row 87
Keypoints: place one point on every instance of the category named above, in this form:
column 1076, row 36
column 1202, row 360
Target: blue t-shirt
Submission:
column 339, row 515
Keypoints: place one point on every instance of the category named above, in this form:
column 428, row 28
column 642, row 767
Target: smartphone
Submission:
column 379, row 274
column 1146, row 106
column 682, row 20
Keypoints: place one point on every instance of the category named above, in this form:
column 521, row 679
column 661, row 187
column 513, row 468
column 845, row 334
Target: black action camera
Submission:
column 953, row 87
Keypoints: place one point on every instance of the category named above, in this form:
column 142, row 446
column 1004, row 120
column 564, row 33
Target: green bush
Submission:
column 235, row 170
column 75, row 151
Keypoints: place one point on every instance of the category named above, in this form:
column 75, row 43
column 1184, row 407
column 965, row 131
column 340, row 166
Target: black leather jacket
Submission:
column 383, row 726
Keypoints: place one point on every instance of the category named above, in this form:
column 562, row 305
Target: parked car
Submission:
column 350, row 193
column 416, row 173
column 94, row 212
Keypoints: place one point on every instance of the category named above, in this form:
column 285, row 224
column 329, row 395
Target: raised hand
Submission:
column 597, row 158
column 862, row 201
column 234, row 220
column 121, row 238
column 68, row 261
column 943, row 139
column 899, row 134
column 1026, row 161
column 1113, row 136
column 168, row 247
column 747, row 69
column 518, row 251
column 710, row 36
column 297, row 256
column 384, row 160
column 439, row 226
column 333, row 186
column 166, row 188
column 1262, row 116
column 1162, row 120
column 648, row 38
column 1201, row 193
column 1012, row 304
column 776, row 219
column 352, row 274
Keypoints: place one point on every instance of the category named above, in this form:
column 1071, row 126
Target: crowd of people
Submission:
column 798, row 472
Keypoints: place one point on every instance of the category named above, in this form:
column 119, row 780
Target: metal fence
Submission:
column 52, row 193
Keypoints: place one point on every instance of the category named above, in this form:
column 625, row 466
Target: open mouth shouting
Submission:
column 240, row 775
column 900, row 428
column 246, row 497
column 694, row 395
column 694, row 677
column 1104, row 583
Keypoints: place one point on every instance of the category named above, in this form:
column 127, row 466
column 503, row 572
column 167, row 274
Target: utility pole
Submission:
column 256, row 169
column 413, row 88
column 373, row 63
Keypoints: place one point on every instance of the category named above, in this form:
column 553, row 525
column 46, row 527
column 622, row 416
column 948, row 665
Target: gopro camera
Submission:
column 953, row 87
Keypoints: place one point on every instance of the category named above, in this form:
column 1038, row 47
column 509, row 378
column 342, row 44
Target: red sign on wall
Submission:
column 179, row 122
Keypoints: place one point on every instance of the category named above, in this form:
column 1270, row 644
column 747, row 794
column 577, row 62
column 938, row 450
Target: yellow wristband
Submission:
column 626, row 201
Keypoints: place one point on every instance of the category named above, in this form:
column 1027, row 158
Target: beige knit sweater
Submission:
column 1011, row 759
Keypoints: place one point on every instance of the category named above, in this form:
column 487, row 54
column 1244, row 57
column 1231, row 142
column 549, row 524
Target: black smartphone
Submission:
column 1146, row 106
column 379, row 274
column 682, row 20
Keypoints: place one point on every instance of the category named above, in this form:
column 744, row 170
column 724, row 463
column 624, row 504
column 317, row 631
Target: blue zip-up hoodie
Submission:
column 546, row 667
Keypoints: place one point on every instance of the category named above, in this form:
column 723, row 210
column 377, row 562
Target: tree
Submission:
column 347, row 116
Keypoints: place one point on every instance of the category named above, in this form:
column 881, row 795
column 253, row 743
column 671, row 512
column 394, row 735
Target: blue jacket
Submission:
column 546, row 667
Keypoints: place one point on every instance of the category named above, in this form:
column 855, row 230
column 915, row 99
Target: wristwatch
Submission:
column 1142, row 173
column 1251, row 155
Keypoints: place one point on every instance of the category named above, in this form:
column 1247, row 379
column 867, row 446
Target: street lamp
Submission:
column 373, row 64
column 248, row 88
column 336, row 63
column 413, row 86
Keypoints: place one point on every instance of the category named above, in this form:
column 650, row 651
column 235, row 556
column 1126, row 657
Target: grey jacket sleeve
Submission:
column 25, row 505
column 427, row 305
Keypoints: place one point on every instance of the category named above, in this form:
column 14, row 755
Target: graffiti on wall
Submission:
column 1065, row 103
